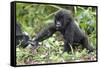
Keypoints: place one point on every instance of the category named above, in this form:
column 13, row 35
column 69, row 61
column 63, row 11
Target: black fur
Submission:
column 21, row 37
column 65, row 24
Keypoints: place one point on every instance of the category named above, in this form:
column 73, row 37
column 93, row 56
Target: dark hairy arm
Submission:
column 45, row 33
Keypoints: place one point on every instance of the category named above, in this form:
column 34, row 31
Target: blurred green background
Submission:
column 34, row 17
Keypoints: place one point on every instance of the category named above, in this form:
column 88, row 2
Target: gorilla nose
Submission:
column 58, row 24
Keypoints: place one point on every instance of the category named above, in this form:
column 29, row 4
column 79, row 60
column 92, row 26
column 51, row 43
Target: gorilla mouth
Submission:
column 58, row 28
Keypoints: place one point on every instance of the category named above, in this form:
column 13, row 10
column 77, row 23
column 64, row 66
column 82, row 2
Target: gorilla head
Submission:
column 62, row 18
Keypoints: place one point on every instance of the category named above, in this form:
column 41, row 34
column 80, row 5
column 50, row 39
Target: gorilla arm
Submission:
column 44, row 34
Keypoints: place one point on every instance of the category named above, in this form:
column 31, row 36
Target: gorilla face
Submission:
column 59, row 23
column 62, row 18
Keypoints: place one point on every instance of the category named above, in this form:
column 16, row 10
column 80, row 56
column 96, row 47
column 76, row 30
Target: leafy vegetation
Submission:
column 34, row 17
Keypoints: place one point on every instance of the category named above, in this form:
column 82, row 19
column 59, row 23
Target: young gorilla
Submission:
column 65, row 24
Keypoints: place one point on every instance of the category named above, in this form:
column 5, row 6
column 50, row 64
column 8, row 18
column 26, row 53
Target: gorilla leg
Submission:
column 68, row 37
column 86, row 44
column 67, row 47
